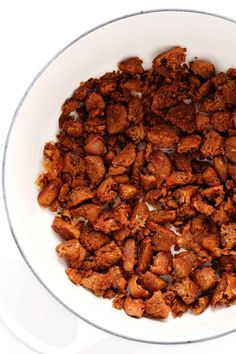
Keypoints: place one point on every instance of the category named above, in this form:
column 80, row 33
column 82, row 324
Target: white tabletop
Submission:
column 31, row 33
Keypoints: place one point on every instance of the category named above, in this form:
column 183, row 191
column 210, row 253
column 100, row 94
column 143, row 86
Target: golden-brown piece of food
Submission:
column 183, row 263
column 162, row 263
column 105, row 191
column 135, row 110
column 230, row 148
column 180, row 179
column 228, row 263
column 225, row 292
column 66, row 229
column 88, row 211
column 220, row 165
column 183, row 117
column 165, row 97
column 186, row 289
column 162, row 136
column 131, row 65
column 162, row 216
column 126, row 157
column 92, row 240
column 145, row 254
column 69, row 106
column 189, row 143
column 201, row 206
column 221, row 121
column 213, row 144
column 203, row 122
column 95, row 169
column 107, row 255
column 178, row 307
column 116, row 118
column 129, row 255
column 127, row 191
column 203, row 68
column 210, row 177
column 200, row 305
column 152, row 282
column 205, row 278
column 139, row 216
column 121, row 234
column 231, row 169
column 214, row 194
column 118, row 301
column 73, row 128
column 184, row 194
column 159, row 166
column 78, row 196
column 49, row 193
column 162, row 238
column 93, row 101
column 134, row 307
column 228, row 235
column 71, row 250
column 156, row 306
column 136, row 290
column 173, row 58
column 211, row 242
column 94, row 145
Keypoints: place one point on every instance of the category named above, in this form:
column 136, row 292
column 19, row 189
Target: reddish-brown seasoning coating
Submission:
column 142, row 179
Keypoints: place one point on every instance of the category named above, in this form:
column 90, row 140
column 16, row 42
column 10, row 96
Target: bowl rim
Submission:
column 177, row 10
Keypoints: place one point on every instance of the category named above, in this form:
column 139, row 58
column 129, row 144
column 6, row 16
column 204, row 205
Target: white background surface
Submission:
column 31, row 32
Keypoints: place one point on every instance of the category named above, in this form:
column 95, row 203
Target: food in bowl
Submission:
column 142, row 180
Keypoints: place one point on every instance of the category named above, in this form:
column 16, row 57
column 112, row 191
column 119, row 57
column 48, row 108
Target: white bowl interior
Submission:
column 144, row 35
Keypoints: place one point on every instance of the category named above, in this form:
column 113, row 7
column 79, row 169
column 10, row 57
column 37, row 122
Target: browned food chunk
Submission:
column 107, row 255
column 134, row 307
column 162, row 216
column 118, row 301
column 221, row 121
column 205, row 278
column 228, row 263
column 79, row 195
column 107, row 222
column 105, row 191
column 71, row 250
column 135, row 110
column 73, row 128
column 107, row 86
column 92, row 240
column 136, row 290
column 203, row 122
column 228, row 235
column 69, row 106
column 178, row 307
column 162, row 238
column 173, row 58
column 201, row 206
column 232, row 171
column 202, row 68
column 200, row 305
column 95, row 145
column 97, row 282
column 126, row 157
column 88, row 211
column 221, row 167
column 228, row 91
column 93, row 101
column 129, row 255
column 145, row 254
column 183, row 162
column 230, row 148
column 186, row 289
column 165, row 97
column 162, row 263
column 66, row 229
column 127, row 191
column 116, row 118
column 183, row 117
column 162, row 136
column 147, row 181
column 49, row 193
column 210, row 177
column 131, row 65
column 189, row 143
column 136, row 133
column 184, row 194
column 95, row 169
column 214, row 194
column 152, row 283
column 156, row 306
column 159, row 166
column 213, row 144
column 179, row 179
column 225, row 291
column 183, row 263
column 211, row 242
column 139, row 216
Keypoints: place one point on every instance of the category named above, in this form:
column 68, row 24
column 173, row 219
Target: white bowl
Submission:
column 35, row 122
